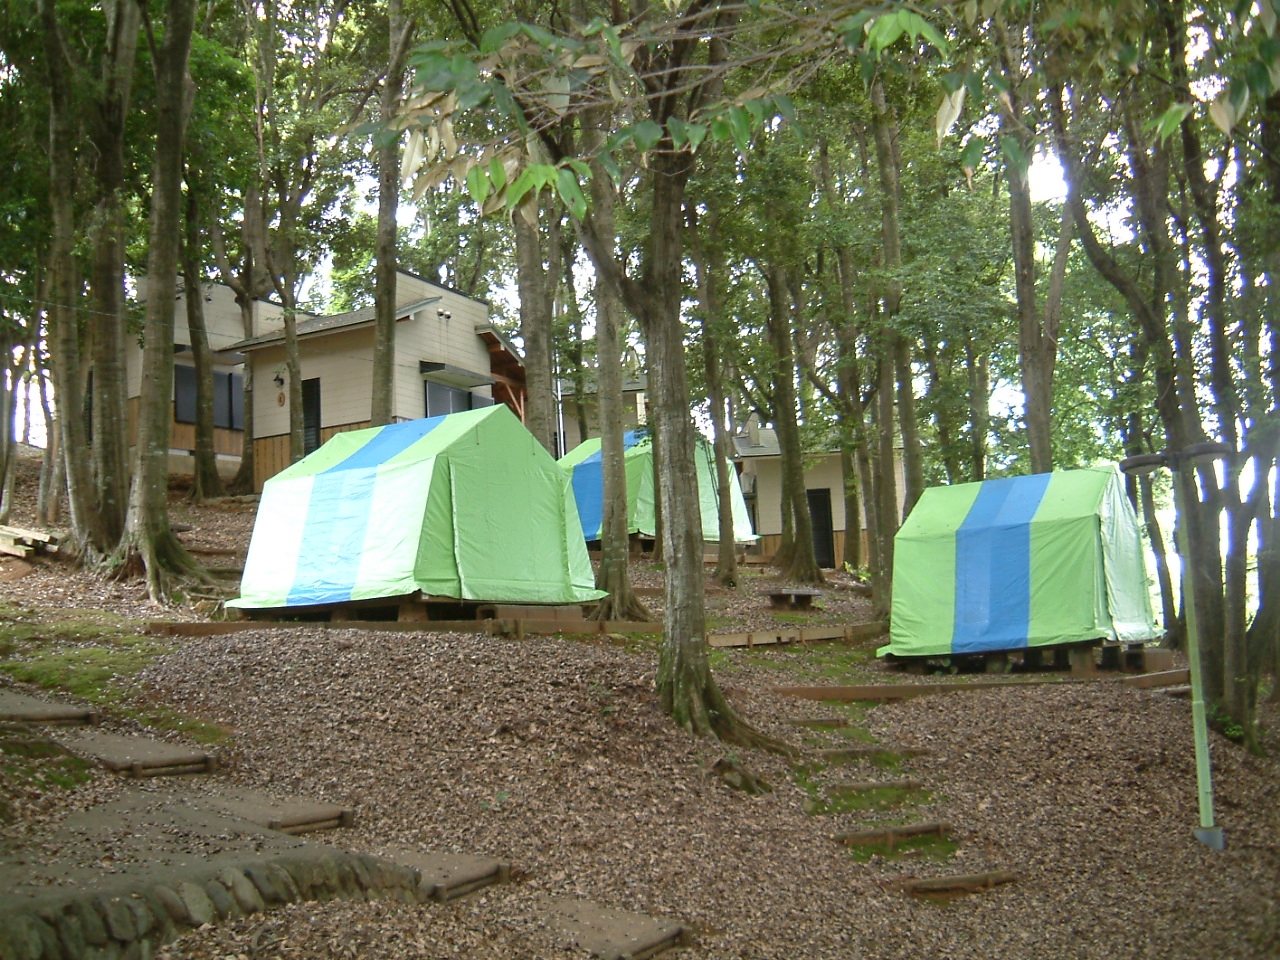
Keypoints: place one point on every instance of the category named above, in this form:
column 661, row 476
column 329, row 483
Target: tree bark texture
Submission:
column 384, row 299
column 612, row 574
column 147, row 535
column 91, row 538
column 710, row 268
column 106, row 326
column 802, row 565
column 535, row 276
column 207, row 482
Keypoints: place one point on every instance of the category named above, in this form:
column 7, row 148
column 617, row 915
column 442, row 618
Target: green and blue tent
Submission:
column 1020, row 562
column 467, row 506
column 585, row 465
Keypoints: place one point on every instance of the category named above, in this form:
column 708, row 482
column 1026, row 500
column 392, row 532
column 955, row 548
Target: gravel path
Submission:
column 552, row 754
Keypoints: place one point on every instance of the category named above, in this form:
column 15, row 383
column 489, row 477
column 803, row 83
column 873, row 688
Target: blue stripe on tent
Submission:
column 338, row 515
column 588, row 491
column 588, row 486
column 993, row 566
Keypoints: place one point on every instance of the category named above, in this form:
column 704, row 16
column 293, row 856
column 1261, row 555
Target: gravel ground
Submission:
column 552, row 754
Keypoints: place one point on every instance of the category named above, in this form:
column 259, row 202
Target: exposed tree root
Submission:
column 735, row 775
column 161, row 559
column 703, row 710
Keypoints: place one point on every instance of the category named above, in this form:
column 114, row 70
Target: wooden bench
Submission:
column 793, row 598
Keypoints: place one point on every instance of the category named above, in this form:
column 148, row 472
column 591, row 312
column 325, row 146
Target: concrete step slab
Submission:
column 19, row 708
column 139, row 756
column 293, row 817
column 613, row 934
column 448, row 876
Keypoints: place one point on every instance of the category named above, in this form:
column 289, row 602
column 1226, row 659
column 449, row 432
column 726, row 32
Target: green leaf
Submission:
column 1128, row 58
column 472, row 93
column 720, row 129
column 497, row 174
column 786, row 109
column 884, row 33
column 537, row 34
column 867, row 66
column 494, row 38
column 646, row 135
column 973, row 82
column 930, row 33
column 971, row 155
column 611, row 167
column 740, row 125
column 853, row 28
column 951, row 82
column 571, row 193
column 523, row 184
column 1014, row 153
column 582, row 170
column 1258, row 77
column 478, row 184
column 679, row 132
column 1171, row 119
column 697, row 133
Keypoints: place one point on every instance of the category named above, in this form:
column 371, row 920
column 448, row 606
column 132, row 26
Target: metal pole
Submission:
column 1207, row 833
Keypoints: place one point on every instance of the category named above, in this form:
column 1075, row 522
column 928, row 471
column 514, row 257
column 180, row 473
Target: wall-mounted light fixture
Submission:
column 279, row 380
column 443, row 313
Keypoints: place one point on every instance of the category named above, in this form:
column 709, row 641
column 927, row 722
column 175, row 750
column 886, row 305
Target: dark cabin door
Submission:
column 310, row 414
column 824, row 538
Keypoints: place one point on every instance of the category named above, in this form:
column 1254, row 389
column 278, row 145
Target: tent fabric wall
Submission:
column 467, row 506
column 1020, row 562
column 585, row 465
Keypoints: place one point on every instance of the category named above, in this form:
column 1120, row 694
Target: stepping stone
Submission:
column 288, row 816
column 140, row 756
column 614, row 934
column 448, row 876
column 19, row 708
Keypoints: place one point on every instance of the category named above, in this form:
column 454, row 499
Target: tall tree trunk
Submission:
column 803, row 565
column 709, row 268
column 147, row 534
column 852, row 511
column 612, row 575
column 52, row 476
column 384, row 298
column 207, row 482
column 1037, row 340
column 107, row 337
column 979, row 410
column 912, row 448
column 534, row 276
column 91, row 537
column 248, row 280
column 886, row 481
column 685, row 687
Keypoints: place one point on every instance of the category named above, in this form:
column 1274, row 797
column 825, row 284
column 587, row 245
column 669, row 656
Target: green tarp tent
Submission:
column 468, row 506
column 1019, row 562
column 587, row 469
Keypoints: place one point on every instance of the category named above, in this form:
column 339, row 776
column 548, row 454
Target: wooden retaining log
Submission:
column 966, row 883
column 892, row 834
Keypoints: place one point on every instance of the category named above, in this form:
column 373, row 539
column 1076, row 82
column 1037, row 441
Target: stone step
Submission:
column 19, row 708
column 448, row 876
column 293, row 817
column 613, row 934
column 138, row 756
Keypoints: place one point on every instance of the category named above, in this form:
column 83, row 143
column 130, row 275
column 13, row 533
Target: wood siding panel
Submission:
column 182, row 436
column 271, row 454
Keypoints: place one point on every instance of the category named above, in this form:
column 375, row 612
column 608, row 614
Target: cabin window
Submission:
column 310, row 414
column 228, row 397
